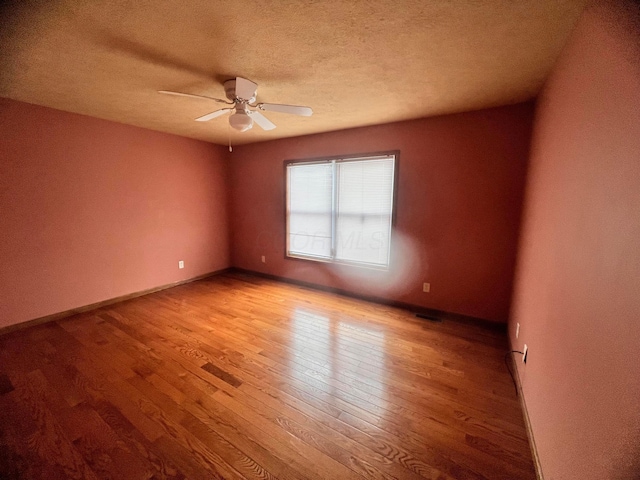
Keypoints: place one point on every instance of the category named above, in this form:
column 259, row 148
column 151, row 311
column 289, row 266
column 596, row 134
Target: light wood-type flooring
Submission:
column 237, row 377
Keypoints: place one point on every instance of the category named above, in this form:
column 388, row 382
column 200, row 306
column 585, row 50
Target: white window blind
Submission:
column 310, row 209
column 341, row 210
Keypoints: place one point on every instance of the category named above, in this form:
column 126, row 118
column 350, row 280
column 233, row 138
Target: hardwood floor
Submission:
column 241, row 377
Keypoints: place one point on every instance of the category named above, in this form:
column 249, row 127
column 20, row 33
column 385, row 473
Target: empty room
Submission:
column 320, row 239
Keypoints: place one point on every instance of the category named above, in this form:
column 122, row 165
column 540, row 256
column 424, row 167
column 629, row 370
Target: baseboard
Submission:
column 104, row 303
column 429, row 312
column 527, row 422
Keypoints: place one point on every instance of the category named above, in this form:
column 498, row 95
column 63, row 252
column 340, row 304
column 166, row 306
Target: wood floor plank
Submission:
column 223, row 420
column 166, row 420
column 468, row 417
column 258, row 405
column 240, row 377
column 132, row 450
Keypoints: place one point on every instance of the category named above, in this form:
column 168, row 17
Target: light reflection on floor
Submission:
column 341, row 353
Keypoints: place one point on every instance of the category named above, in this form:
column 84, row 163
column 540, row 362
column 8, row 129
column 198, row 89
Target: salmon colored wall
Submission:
column 459, row 200
column 92, row 210
column 578, row 283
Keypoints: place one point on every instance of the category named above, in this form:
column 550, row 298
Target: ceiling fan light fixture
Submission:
column 241, row 121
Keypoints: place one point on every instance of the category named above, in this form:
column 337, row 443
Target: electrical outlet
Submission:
column 517, row 330
column 426, row 287
column 525, row 350
column 264, row 259
column 181, row 264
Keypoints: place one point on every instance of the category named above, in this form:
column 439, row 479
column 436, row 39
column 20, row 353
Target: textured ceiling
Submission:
column 354, row 62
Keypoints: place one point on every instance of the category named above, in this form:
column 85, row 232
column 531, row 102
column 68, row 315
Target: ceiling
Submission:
column 354, row 62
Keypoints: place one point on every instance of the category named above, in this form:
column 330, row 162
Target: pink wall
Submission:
column 578, row 282
column 92, row 210
column 460, row 188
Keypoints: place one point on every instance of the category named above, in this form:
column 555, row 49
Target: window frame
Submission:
column 338, row 158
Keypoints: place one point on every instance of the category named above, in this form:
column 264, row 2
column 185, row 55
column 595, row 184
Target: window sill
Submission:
column 328, row 261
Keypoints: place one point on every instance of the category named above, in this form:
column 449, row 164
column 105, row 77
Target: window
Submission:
column 341, row 209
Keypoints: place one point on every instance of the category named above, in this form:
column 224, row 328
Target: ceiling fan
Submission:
column 241, row 94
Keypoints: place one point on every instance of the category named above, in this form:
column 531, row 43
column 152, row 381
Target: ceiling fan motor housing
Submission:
column 230, row 91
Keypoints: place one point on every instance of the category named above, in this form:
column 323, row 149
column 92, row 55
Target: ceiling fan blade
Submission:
column 245, row 89
column 179, row 94
column 294, row 109
column 262, row 121
column 212, row 115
